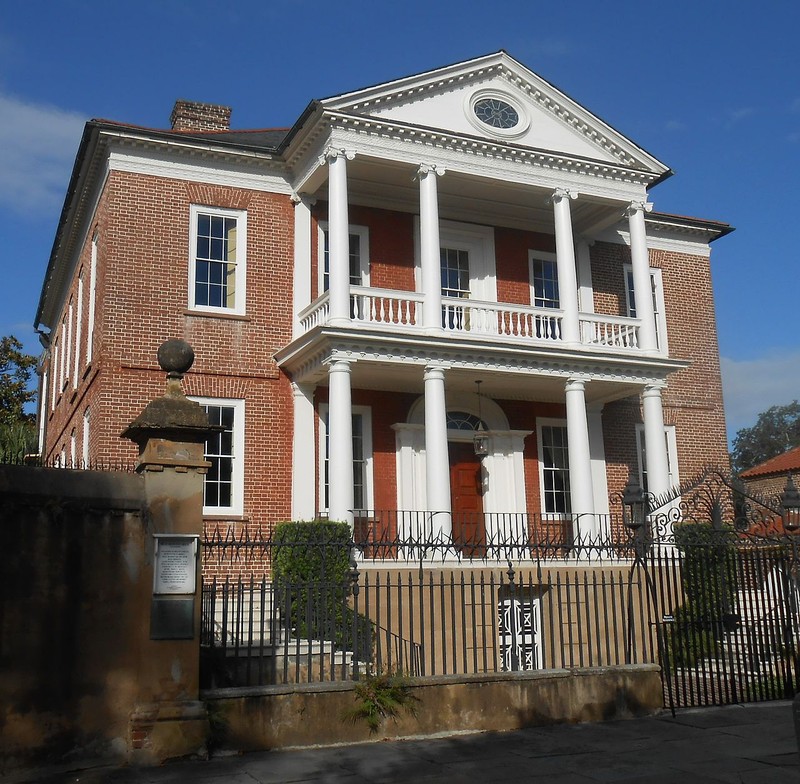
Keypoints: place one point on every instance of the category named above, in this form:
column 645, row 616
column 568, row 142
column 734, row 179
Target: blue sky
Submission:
column 710, row 87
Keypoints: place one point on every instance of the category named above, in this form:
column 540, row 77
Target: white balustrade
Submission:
column 609, row 331
column 383, row 306
column 403, row 310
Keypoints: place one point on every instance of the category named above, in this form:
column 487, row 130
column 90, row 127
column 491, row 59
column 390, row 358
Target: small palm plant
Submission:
column 379, row 697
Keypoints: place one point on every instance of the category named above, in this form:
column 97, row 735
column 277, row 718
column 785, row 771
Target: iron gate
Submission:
column 723, row 575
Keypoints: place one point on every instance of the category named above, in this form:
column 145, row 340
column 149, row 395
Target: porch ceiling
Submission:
column 391, row 185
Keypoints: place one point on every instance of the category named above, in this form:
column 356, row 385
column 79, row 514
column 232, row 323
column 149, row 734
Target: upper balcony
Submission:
column 400, row 312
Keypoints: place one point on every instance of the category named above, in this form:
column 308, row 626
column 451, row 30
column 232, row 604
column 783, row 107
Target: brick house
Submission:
column 768, row 479
column 459, row 261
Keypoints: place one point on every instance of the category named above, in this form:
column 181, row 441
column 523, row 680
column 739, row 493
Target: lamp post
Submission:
column 634, row 505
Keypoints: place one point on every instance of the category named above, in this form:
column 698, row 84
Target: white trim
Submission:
column 195, row 210
column 43, row 411
column 541, row 255
column 365, row 412
column 478, row 241
column 85, row 440
column 303, row 453
column 363, row 259
column 54, row 373
column 68, row 352
column 501, row 95
column 699, row 247
column 92, row 297
column 237, row 459
column 547, row 422
column 174, row 165
column 584, row 270
column 78, row 326
column 657, row 284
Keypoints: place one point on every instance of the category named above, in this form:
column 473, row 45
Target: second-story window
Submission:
column 544, row 280
column 359, row 256
column 218, row 260
column 657, row 291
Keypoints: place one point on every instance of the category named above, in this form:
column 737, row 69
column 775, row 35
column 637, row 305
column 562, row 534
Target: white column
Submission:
column 338, row 236
column 655, row 443
column 565, row 261
column 340, row 442
column 437, row 461
column 302, row 258
column 303, row 452
column 580, row 460
column 430, row 248
column 640, row 264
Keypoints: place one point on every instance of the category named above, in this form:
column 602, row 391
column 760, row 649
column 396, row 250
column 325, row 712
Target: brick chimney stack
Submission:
column 192, row 116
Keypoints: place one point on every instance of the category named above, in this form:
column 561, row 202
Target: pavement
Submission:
column 746, row 744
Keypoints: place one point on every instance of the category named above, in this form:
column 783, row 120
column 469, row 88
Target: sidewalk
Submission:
column 754, row 744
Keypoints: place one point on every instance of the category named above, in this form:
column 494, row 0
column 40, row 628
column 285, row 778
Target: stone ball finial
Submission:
column 175, row 356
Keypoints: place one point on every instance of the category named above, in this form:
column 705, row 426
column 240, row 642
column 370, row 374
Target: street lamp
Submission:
column 634, row 504
column 790, row 506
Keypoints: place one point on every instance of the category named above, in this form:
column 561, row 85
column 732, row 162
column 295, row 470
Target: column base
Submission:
column 158, row 732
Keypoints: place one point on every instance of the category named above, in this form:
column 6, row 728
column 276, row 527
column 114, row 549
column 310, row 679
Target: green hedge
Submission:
column 311, row 573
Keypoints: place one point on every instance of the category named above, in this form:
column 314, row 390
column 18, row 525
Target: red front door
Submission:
column 466, row 496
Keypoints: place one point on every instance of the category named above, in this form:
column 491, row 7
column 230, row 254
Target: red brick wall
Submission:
column 143, row 225
column 511, row 250
column 693, row 398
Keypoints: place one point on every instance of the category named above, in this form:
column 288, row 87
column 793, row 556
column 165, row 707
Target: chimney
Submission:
column 192, row 116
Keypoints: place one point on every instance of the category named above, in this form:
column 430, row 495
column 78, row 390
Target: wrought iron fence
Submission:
column 708, row 589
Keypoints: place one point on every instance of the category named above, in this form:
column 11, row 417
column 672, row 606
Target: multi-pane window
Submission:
column 362, row 457
column 217, row 265
column 554, row 468
column 357, row 256
column 544, row 277
column 455, row 272
column 658, row 301
column 224, row 451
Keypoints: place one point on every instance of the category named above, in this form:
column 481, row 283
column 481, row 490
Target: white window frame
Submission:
column 238, row 309
column 54, row 379
column 92, row 297
column 236, row 509
column 43, row 410
column 657, row 288
column 540, row 255
column 85, row 441
column 78, row 329
column 540, row 423
column 672, row 454
column 68, row 353
column 366, row 413
column 478, row 241
column 363, row 260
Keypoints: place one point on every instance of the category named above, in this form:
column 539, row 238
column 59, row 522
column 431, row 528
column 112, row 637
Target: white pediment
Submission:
column 542, row 117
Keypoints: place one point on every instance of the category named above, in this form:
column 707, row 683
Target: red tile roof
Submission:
column 782, row 464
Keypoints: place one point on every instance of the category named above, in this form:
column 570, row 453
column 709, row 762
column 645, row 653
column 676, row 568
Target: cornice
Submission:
column 693, row 243
column 308, row 355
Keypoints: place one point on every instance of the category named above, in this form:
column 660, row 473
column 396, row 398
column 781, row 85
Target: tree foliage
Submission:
column 17, row 431
column 16, row 368
column 776, row 430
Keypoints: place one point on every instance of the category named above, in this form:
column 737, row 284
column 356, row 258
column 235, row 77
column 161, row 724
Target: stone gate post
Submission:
column 169, row 720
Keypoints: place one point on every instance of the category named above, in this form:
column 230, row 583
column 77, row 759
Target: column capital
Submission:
column 561, row 193
column 654, row 390
column 302, row 198
column 338, row 364
column 575, row 383
column 429, row 168
column 332, row 153
column 435, row 371
column 638, row 206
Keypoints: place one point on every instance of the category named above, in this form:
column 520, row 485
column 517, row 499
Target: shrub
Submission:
column 311, row 573
column 380, row 697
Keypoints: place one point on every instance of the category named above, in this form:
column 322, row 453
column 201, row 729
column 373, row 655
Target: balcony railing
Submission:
column 402, row 310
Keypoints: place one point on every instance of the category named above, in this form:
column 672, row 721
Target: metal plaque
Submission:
column 175, row 567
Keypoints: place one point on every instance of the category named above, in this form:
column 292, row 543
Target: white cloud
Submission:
column 675, row 125
column 37, row 147
column 751, row 386
column 735, row 116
